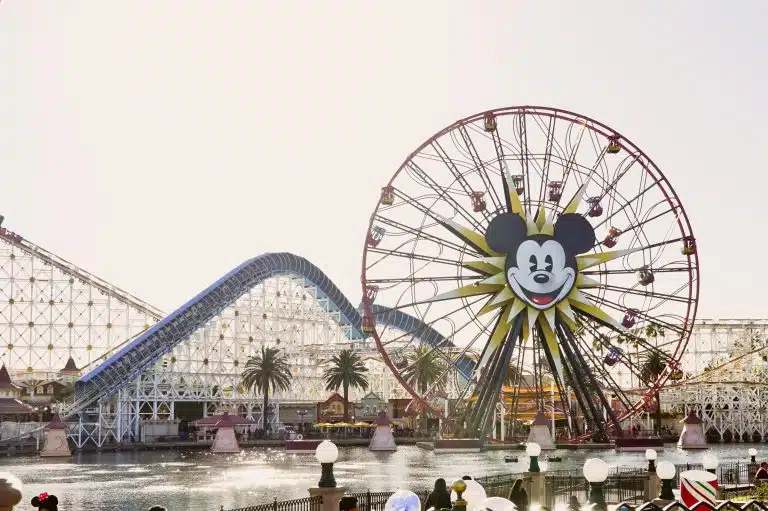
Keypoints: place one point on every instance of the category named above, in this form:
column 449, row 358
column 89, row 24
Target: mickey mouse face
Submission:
column 540, row 269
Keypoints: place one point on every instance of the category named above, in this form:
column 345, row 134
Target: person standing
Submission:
column 439, row 497
column 518, row 496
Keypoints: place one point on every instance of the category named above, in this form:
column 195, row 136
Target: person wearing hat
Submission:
column 348, row 504
column 45, row 502
column 157, row 508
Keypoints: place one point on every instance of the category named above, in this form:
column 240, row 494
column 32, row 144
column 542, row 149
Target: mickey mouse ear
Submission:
column 575, row 232
column 505, row 232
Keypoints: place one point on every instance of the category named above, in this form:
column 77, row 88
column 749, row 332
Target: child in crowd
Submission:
column 45, row 502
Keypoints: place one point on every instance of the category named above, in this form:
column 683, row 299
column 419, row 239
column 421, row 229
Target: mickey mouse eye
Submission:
column 548, row 262
column 534, row 263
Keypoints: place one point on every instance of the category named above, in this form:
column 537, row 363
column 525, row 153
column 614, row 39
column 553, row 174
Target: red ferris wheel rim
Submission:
column 649, row 166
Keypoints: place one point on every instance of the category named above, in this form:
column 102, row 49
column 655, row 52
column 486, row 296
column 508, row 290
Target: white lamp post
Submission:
column 651, row 456
column 710, row 462
column 327, row 453
column 533, row 450
column 543, row 466
column 666, row 472
column 596, row 472
column 752, row 455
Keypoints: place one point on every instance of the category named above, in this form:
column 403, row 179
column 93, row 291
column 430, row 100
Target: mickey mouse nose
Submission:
column 541, row 279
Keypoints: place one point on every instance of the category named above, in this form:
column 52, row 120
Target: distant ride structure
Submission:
column 545, row 248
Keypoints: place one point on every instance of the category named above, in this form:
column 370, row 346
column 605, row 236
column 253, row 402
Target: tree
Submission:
column 267, row 371
column 346, row 370
column 652, row 367
column 424, row 368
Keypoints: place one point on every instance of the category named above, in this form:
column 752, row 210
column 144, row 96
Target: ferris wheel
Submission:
column 548, row 254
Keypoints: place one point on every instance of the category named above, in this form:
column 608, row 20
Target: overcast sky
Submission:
column 159, row 143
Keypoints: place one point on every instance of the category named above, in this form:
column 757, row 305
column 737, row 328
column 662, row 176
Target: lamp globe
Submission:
column 595, row 470
column 651, row 455
column 709, row 461
column 753, row 452
column 665, row 470
column 533, row 449
column 327, row 452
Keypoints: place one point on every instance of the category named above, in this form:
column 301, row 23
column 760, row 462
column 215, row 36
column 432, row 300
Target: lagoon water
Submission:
column 200, row 481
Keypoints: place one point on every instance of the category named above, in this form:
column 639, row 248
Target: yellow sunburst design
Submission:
column 503, row 300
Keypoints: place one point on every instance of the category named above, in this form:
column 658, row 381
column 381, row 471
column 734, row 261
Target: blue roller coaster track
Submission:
column 134, row 358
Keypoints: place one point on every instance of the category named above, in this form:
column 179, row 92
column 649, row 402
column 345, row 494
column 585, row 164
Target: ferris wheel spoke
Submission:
column 571, row 161
column 648, row 294
column 429, row 259
column 566, row 338
column 503, row 171
column 490, row 386
column 469, row 236
column 558, row 379
column 619, row 308
column 575, row 376
column 649, row 348
column 522, row 131
column 419, row 234
column 438, row 278
column 626, row 204
column 425, row 326
column 634, row 271
column 443, row 193
column 636, row 226
column 451, row 166
column 480, row 166
column 606, row 375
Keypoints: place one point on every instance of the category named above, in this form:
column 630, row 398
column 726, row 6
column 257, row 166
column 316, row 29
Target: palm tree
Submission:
column 424, row 368
column 265, row 371
column 652, row 367
column 346, row 370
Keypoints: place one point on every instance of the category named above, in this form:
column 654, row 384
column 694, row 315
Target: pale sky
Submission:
column 159, row 143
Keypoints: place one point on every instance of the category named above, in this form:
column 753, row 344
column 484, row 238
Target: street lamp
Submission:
column 710, row 462
column 596, row 472
column 327, row 453
column 533, row 450
column 459, row 487
column 651, row 456
column 752, row 454
column 666, row 472
column 301, row 414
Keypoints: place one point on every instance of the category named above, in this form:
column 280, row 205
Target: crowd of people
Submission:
column 440, row 498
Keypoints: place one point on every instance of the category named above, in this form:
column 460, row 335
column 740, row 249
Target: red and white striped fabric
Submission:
column 698, row 486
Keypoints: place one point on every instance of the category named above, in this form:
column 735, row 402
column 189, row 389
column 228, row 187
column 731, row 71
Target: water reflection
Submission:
column 201, row 481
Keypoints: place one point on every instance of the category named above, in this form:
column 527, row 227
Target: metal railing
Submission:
column 732, row 473
column 623, row 485
column 375, row 501
column 306, row 504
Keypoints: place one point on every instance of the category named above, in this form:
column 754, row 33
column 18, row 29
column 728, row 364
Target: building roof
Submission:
column 70, row 367
column 56, row 423
column 222, row 421
column 11, row 406
column 382, row 419
column 540, row 419
column 692, row 419
column 5, row 380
